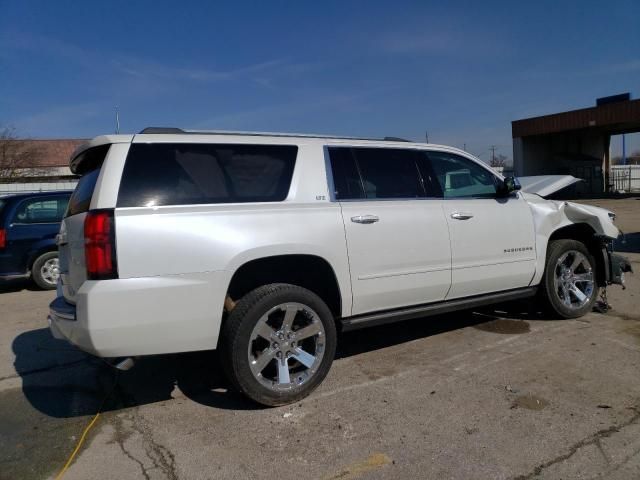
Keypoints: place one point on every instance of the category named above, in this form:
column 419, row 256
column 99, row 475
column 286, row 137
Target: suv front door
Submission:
column 492, row 237
column 397, row 240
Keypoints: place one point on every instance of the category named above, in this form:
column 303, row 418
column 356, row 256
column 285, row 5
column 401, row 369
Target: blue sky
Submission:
column 461, row 70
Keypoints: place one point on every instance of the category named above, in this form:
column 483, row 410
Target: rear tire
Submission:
column 46, row 270
column 569, row 287
column 278, row 344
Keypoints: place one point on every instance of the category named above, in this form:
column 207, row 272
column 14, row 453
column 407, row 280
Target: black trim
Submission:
column 606, row 263
column 396, row 139
column 397, row 315
column 161, row 130
column 14, row 276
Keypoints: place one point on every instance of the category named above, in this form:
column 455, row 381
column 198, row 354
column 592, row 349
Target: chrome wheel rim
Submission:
column 286, row 346
column 50, row 271
column 573, row 279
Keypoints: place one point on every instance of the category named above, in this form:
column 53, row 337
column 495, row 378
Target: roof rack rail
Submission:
column 160, row 130
column 396, row 139
column 174, row 130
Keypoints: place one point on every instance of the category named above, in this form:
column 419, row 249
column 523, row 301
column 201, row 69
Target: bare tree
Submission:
column 16, row 156
column 498, row 160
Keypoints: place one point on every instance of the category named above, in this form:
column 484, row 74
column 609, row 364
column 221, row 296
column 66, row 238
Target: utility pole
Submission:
column 426, row 134
column 493, row 153
column 117, row 120
column 464, row 147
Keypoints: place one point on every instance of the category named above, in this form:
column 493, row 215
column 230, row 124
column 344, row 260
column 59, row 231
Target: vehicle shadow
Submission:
column 63, row 382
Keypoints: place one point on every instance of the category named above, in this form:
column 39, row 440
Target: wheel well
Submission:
column 308, row 271
column 586, row 234
column 35, row 255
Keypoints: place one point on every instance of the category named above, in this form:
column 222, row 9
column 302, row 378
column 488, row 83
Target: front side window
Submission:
column 181, row 174
column 41, row 210
column 459, row 177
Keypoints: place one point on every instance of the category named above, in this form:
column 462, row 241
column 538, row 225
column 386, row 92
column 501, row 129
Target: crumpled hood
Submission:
column 545, row 185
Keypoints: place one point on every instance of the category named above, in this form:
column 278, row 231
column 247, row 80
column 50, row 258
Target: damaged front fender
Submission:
column 550, row 216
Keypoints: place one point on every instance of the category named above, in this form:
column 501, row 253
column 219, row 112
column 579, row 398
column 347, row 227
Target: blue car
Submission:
column 29, row 223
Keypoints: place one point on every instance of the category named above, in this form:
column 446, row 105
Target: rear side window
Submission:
column 89, row 164
column 182, row 174
column 40, row 210
column 376, row 173
column 346, row 179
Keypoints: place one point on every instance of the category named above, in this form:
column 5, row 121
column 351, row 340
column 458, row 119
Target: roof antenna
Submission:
column 117, row 120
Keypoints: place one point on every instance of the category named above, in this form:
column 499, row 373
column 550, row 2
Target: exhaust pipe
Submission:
column 124, row 364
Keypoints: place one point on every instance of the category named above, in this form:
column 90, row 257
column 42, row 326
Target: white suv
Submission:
column 265, row 245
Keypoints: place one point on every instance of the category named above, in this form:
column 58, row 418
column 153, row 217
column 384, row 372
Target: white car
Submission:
column 266, row 245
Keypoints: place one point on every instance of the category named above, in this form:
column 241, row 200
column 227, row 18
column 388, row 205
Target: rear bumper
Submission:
column 142, row 316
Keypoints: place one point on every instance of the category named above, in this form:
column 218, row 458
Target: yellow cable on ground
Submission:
column 75, row 451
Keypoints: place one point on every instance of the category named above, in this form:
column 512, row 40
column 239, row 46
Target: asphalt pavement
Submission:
column 499, row 393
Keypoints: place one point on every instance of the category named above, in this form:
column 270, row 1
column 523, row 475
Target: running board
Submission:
column 398, row 315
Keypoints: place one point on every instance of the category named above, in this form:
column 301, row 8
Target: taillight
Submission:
column 3, row 238
column 100, row 245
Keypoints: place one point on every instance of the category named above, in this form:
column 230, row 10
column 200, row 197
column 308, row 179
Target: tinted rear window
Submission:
column 81, row 198
column 376, row 173
column 346, row 179
column 182, row 174
column 89, row 163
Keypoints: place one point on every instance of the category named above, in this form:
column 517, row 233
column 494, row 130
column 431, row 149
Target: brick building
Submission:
column 36, row 165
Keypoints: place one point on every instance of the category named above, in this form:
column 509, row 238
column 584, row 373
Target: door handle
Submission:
column 461, row 215
column 366, row 219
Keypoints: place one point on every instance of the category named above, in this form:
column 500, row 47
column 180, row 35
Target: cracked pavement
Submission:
column 499, row 393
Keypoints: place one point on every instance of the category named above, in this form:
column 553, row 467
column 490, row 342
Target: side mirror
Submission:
column 508, row 186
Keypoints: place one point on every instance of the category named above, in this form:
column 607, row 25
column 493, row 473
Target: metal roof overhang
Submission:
column 612, row 119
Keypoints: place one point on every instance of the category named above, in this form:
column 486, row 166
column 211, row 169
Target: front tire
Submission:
column 278, row 344
column 569, row 286
column 46, row 270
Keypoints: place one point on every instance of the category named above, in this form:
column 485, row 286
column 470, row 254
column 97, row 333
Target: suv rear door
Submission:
column 397, row 238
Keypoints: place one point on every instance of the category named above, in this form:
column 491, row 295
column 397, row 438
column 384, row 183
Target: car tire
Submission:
column 45, row 271
column 278, row 344
column 569, row 288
